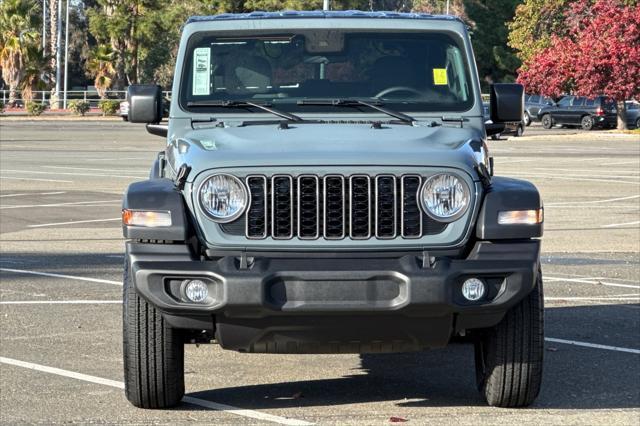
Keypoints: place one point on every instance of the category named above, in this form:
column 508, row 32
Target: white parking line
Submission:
column 70, row 277
column 615, row 225
column 35, row 193
column 593, row 201
column 37, row 180
column 257, row 415
column 587, row 281
column 77, row 203
column 60, row 302
column 600, row 299
column 593, row 345
column 108, row 170
column 573, row 178
column 78, row 174
column 41, row 225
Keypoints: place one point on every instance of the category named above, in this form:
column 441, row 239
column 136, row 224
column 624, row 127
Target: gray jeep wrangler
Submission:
column 326, row 188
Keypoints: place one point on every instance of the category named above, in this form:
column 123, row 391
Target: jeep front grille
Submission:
column 334, row 207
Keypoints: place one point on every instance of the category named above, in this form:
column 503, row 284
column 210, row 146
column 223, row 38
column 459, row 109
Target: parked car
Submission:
column 600, row 112
column 633, row 114
column 532, row 105
column 124, row 110
column 515, row 128
column 303, row 205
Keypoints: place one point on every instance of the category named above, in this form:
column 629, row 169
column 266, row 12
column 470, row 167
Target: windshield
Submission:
column 405, row 71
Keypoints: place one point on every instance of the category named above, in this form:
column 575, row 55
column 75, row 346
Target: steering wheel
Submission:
column 388, row 90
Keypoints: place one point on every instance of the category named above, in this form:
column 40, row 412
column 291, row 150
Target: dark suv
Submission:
column 532, row 105
column 580, row 111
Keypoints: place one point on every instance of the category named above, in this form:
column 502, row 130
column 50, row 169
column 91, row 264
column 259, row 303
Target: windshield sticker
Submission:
column 201, row 70
column 440, row 76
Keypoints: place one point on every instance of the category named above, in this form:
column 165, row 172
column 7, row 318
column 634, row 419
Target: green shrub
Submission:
column 35, row 108
column 1, row 107
column 79, row 107
column 109, row 106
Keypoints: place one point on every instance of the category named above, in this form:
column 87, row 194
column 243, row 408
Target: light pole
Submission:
column 325, row 5
column 66, row 56
column 58, row 54
column 447, row 7
column 44, row 28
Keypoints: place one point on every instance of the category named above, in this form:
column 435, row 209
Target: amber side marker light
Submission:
column 521, row 217
column 149, row 219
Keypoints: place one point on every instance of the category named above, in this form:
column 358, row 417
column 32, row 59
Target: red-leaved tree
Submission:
column 599, row 56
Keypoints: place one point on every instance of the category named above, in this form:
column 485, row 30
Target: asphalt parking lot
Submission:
column 61, row 264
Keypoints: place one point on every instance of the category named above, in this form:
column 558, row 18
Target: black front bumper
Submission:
column 346, row 303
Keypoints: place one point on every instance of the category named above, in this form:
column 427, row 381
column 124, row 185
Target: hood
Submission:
column 324, row 145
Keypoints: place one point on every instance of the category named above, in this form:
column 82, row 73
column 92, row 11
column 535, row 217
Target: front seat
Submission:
column 247, row 74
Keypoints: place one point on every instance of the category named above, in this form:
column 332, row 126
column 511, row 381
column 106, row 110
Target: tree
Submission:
column 495, row 60
column 534, row 23
column 101, row 68
column 600, row 55
column 19, row 38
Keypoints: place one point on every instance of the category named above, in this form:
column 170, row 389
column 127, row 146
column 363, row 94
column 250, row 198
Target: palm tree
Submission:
column 18, row 34
column 35, row 73
column 100, row 66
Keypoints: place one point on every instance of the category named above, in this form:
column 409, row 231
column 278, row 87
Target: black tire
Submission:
column 519, row 130
column 586, row 122
column 638, row 123
column 125, row 118
column 495, row 137
column 527, row 119
column 153, row 353
column 509, row 356
column 547, row 121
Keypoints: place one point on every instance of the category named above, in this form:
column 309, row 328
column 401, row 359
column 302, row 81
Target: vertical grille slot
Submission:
column 256, row 222
column 386, row 207
column 359, row 207
column 282, row 207
column 308, row 207
column 410, row 213
column 334, row 207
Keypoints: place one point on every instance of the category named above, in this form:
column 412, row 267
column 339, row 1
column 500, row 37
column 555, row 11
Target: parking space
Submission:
column 61, row 263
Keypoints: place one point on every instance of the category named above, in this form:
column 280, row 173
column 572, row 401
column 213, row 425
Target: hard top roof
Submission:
column 320, row 14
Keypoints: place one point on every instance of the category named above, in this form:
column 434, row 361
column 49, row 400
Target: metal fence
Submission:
column 90, row 96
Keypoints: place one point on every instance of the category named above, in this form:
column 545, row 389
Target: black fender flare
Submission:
column 156, row 195
column 508, row 194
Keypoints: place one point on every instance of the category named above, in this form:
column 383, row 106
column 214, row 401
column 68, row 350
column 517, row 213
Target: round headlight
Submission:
column 223, row 197
column 445, row 197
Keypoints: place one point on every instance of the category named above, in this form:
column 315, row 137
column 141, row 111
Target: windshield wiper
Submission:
column 377, row 105
column 244, row 104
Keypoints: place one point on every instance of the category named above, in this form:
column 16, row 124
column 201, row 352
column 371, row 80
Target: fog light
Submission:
column 473, row 289
column 195, row 290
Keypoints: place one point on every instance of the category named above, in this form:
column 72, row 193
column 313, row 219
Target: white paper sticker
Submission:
column 201, row 70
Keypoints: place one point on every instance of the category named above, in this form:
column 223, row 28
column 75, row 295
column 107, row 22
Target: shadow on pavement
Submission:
column 574, row 377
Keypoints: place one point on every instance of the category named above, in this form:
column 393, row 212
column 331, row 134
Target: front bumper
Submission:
column 344, row 303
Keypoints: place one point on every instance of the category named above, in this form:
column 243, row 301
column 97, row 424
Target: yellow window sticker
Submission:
column 440, row 76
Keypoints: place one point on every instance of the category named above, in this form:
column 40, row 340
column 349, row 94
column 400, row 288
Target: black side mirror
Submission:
column 145, row 103
column 507, row 102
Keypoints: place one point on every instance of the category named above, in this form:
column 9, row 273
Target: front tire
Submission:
column 519, row 130
column 527, row 119
column 153, row 353
column 509, row 356
column 547, row 121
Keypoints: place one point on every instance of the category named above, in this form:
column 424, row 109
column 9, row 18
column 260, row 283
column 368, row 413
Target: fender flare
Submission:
column 156, row 195
column 508, row 194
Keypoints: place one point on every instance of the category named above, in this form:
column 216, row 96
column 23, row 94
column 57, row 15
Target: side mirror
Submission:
column 145, row 103
column 507, row 102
